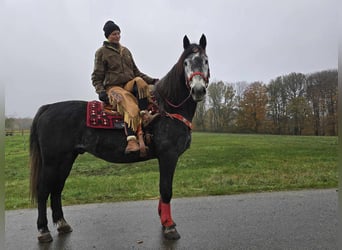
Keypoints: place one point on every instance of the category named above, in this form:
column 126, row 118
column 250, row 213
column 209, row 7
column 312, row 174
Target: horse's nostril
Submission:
column 198, row 91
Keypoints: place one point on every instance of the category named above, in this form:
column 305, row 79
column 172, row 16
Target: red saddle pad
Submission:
column 97, row 117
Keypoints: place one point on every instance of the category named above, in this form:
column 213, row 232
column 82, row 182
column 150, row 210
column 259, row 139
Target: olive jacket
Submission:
column 114, row 66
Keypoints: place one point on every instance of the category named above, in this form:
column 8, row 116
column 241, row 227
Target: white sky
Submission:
column 48, row 47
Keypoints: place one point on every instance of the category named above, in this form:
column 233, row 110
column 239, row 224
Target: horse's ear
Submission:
column 203, row 41
column 186, row 42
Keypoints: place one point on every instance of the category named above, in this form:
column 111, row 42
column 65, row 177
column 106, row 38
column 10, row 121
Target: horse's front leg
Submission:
column 167, row 166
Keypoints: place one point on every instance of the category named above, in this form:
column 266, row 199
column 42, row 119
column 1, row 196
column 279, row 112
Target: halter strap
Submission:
column 180, row 118
column 180, row 104
column 197, row 73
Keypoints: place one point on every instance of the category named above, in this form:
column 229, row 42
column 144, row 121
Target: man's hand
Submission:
column 104, row 97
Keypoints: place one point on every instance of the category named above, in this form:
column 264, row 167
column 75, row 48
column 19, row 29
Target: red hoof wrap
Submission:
column 164, row 211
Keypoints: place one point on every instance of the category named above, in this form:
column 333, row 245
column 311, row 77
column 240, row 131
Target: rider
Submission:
column 116, row 74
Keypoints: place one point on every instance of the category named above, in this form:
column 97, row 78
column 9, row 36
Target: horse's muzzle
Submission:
column 198, row 92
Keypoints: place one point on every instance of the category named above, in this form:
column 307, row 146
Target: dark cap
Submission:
column 109, row 27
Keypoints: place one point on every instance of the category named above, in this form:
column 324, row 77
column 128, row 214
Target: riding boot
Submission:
column 132, row 143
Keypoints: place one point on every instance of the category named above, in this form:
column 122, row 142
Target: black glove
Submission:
column 104, row 97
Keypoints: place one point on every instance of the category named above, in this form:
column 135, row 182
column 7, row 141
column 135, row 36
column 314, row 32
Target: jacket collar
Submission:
column 116, row 47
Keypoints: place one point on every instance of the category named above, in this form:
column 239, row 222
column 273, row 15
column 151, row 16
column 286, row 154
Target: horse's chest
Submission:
column 174, row 143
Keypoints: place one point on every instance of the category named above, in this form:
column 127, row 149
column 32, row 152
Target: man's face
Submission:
column 114, row 37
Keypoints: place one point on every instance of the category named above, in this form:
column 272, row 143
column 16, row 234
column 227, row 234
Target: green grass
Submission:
column 215, row 164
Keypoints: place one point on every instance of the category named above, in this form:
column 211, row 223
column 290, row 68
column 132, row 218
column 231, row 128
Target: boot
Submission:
column 147, row 117
column 132, row 145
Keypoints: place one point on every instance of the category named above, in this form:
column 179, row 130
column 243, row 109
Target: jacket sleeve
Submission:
column 98, row 74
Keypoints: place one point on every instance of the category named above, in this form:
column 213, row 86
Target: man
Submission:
column 118, row 81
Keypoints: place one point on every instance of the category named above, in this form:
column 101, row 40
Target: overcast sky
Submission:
column 48, row 47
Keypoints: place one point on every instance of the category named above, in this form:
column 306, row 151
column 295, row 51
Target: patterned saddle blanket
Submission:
column 99, row 116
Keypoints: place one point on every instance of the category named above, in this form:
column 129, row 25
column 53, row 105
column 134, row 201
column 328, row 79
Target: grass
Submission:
column 215, row 164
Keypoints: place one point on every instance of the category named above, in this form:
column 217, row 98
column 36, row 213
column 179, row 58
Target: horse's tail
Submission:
column 35, row 155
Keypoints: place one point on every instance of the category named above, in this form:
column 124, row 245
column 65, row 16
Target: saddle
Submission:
column 104, row 116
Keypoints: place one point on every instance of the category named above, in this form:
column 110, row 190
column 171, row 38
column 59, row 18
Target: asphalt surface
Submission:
column 279, row 220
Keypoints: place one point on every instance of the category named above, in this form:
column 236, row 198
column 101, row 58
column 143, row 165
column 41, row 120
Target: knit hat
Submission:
column 109, row 27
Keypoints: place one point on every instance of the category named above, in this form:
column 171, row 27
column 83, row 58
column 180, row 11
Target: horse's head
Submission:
column 196, row 68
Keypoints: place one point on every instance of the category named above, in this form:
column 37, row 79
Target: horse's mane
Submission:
column 170, row 86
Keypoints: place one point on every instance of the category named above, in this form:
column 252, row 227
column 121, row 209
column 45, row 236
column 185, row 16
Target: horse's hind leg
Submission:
column 57, row 211
column 42, row 222
column 56, row 196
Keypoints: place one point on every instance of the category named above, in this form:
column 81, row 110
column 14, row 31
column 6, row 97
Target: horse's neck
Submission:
column 187, row 109
column 174, row 97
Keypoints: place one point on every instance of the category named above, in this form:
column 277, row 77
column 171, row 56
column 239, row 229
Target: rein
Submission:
column 180, row 104
column 177, row 116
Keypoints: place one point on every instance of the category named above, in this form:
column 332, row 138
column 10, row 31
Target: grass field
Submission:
column 215, row 164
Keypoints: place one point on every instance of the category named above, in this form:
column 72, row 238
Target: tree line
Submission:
column 293, row 104
column 12, row 123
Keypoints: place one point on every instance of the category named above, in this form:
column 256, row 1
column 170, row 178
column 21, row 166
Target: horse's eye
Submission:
column 206, row 61
column 185, row 63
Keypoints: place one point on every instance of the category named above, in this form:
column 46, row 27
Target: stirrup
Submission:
column 147, row 117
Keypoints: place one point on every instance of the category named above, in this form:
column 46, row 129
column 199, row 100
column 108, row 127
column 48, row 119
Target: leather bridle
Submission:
column 197, row 73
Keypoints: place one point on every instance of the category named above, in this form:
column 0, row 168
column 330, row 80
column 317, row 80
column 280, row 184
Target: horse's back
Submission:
column 59, row 123
column 71, row 107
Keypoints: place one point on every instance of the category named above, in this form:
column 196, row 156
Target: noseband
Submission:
column 197, row 73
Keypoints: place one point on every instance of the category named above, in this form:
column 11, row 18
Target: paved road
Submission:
column 280, row 220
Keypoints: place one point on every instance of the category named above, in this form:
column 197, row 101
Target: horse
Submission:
column 59, row 134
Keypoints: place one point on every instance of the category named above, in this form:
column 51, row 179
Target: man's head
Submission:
column 112, row 30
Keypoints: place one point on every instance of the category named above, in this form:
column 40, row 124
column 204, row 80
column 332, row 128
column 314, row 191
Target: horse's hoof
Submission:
column 63, row 227
column 44, row 236
column 170, row 233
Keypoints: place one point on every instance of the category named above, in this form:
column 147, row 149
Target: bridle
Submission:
column 197, row 73
column 187, row 83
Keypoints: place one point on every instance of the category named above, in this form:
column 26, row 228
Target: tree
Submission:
column 322, row 94
column 215, row 99
column 228, row 108
column 277, row 104
column 299, row 109
column 199, row 118
column 295, row 87
column 252, row 108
